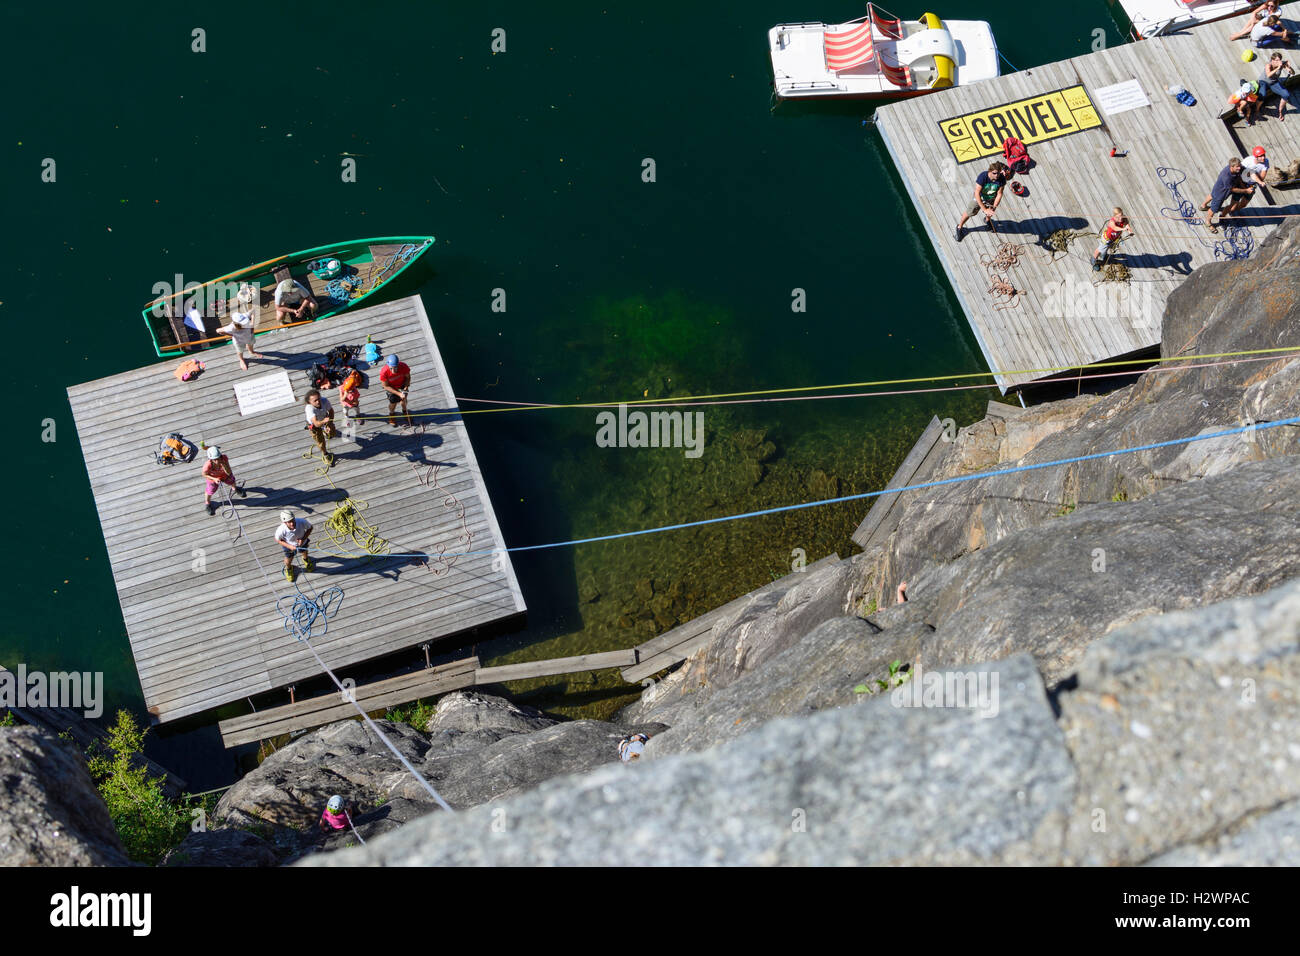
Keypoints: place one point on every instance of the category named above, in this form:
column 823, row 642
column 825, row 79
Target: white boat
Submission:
column 877, row 57
column 1153, row 18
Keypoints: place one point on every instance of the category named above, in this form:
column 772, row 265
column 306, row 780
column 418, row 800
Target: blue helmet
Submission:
column 392, row 361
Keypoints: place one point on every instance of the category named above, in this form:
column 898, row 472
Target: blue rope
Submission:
column 866, row 494
column 1008, row 62
column 340, row 290
column 1237, row 242
column 304, row 612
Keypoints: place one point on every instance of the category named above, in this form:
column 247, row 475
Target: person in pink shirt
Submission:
column 337, row 814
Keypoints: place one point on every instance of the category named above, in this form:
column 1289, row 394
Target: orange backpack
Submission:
column 189, row 370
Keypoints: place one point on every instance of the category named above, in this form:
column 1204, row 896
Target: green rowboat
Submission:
column 338, row 276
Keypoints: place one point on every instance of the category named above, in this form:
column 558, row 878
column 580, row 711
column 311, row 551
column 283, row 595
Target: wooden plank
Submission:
column 557, row 665
column 327, row 708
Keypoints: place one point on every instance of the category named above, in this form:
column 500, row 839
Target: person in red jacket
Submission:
column 216, row 472
column 396, row 380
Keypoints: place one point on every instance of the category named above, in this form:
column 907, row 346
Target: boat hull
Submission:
column 182, row 321
column 1152, row 18
column 935, row 55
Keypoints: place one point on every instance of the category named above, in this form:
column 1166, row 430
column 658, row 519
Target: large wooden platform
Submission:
column 1060, row 318
column 199, row 612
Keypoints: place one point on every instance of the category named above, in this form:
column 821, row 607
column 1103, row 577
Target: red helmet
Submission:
column 1257, row 152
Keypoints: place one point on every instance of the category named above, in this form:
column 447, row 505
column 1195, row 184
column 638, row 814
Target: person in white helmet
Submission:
column 337, row 814
column 217, row 472
column 293, row 536
column 240, row 331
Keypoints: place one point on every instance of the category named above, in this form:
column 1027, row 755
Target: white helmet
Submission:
column 286, row 516
column 214, row 453
column 335, row 803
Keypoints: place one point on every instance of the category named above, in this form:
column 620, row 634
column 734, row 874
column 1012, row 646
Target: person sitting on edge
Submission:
column 240, row 331
column 1276, row 70
column 1270, row 32
column 294, row 301
column 337, row 814
column 293, row 536
column 988, row 196
column 396, row 380
column 320, row 421
column 1112, row 232
column 1261, row 12
column 1247, row 101
column 632, row 747
column 216, row 472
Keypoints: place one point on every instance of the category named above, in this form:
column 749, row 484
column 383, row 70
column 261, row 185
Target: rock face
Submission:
column 224, row 848
column 1221, row 308
column 53, row 816
column 1176, row 745
column 478, row 748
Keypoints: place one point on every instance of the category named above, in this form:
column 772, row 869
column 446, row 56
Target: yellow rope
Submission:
column 346, row 526
column 813, row 388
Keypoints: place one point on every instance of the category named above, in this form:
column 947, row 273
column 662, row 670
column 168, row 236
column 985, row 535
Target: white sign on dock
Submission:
column 264, row 393
column 1121, row 97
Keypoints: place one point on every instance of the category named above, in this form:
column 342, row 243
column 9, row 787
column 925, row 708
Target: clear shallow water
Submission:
column 527, row 167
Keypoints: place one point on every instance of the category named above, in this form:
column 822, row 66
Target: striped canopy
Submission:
column 848, row 49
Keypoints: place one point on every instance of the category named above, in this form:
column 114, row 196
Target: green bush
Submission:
column 416, row 714
column 148, row 822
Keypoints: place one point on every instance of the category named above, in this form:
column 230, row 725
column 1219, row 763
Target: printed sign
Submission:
column 1033, row 120
column 264, row 393
column 1128, row 95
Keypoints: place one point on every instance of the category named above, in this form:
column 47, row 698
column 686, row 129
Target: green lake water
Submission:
column 527, row 167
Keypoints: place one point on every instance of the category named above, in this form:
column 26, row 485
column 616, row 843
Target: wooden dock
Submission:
column 1062, row 316
column 199, row 611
